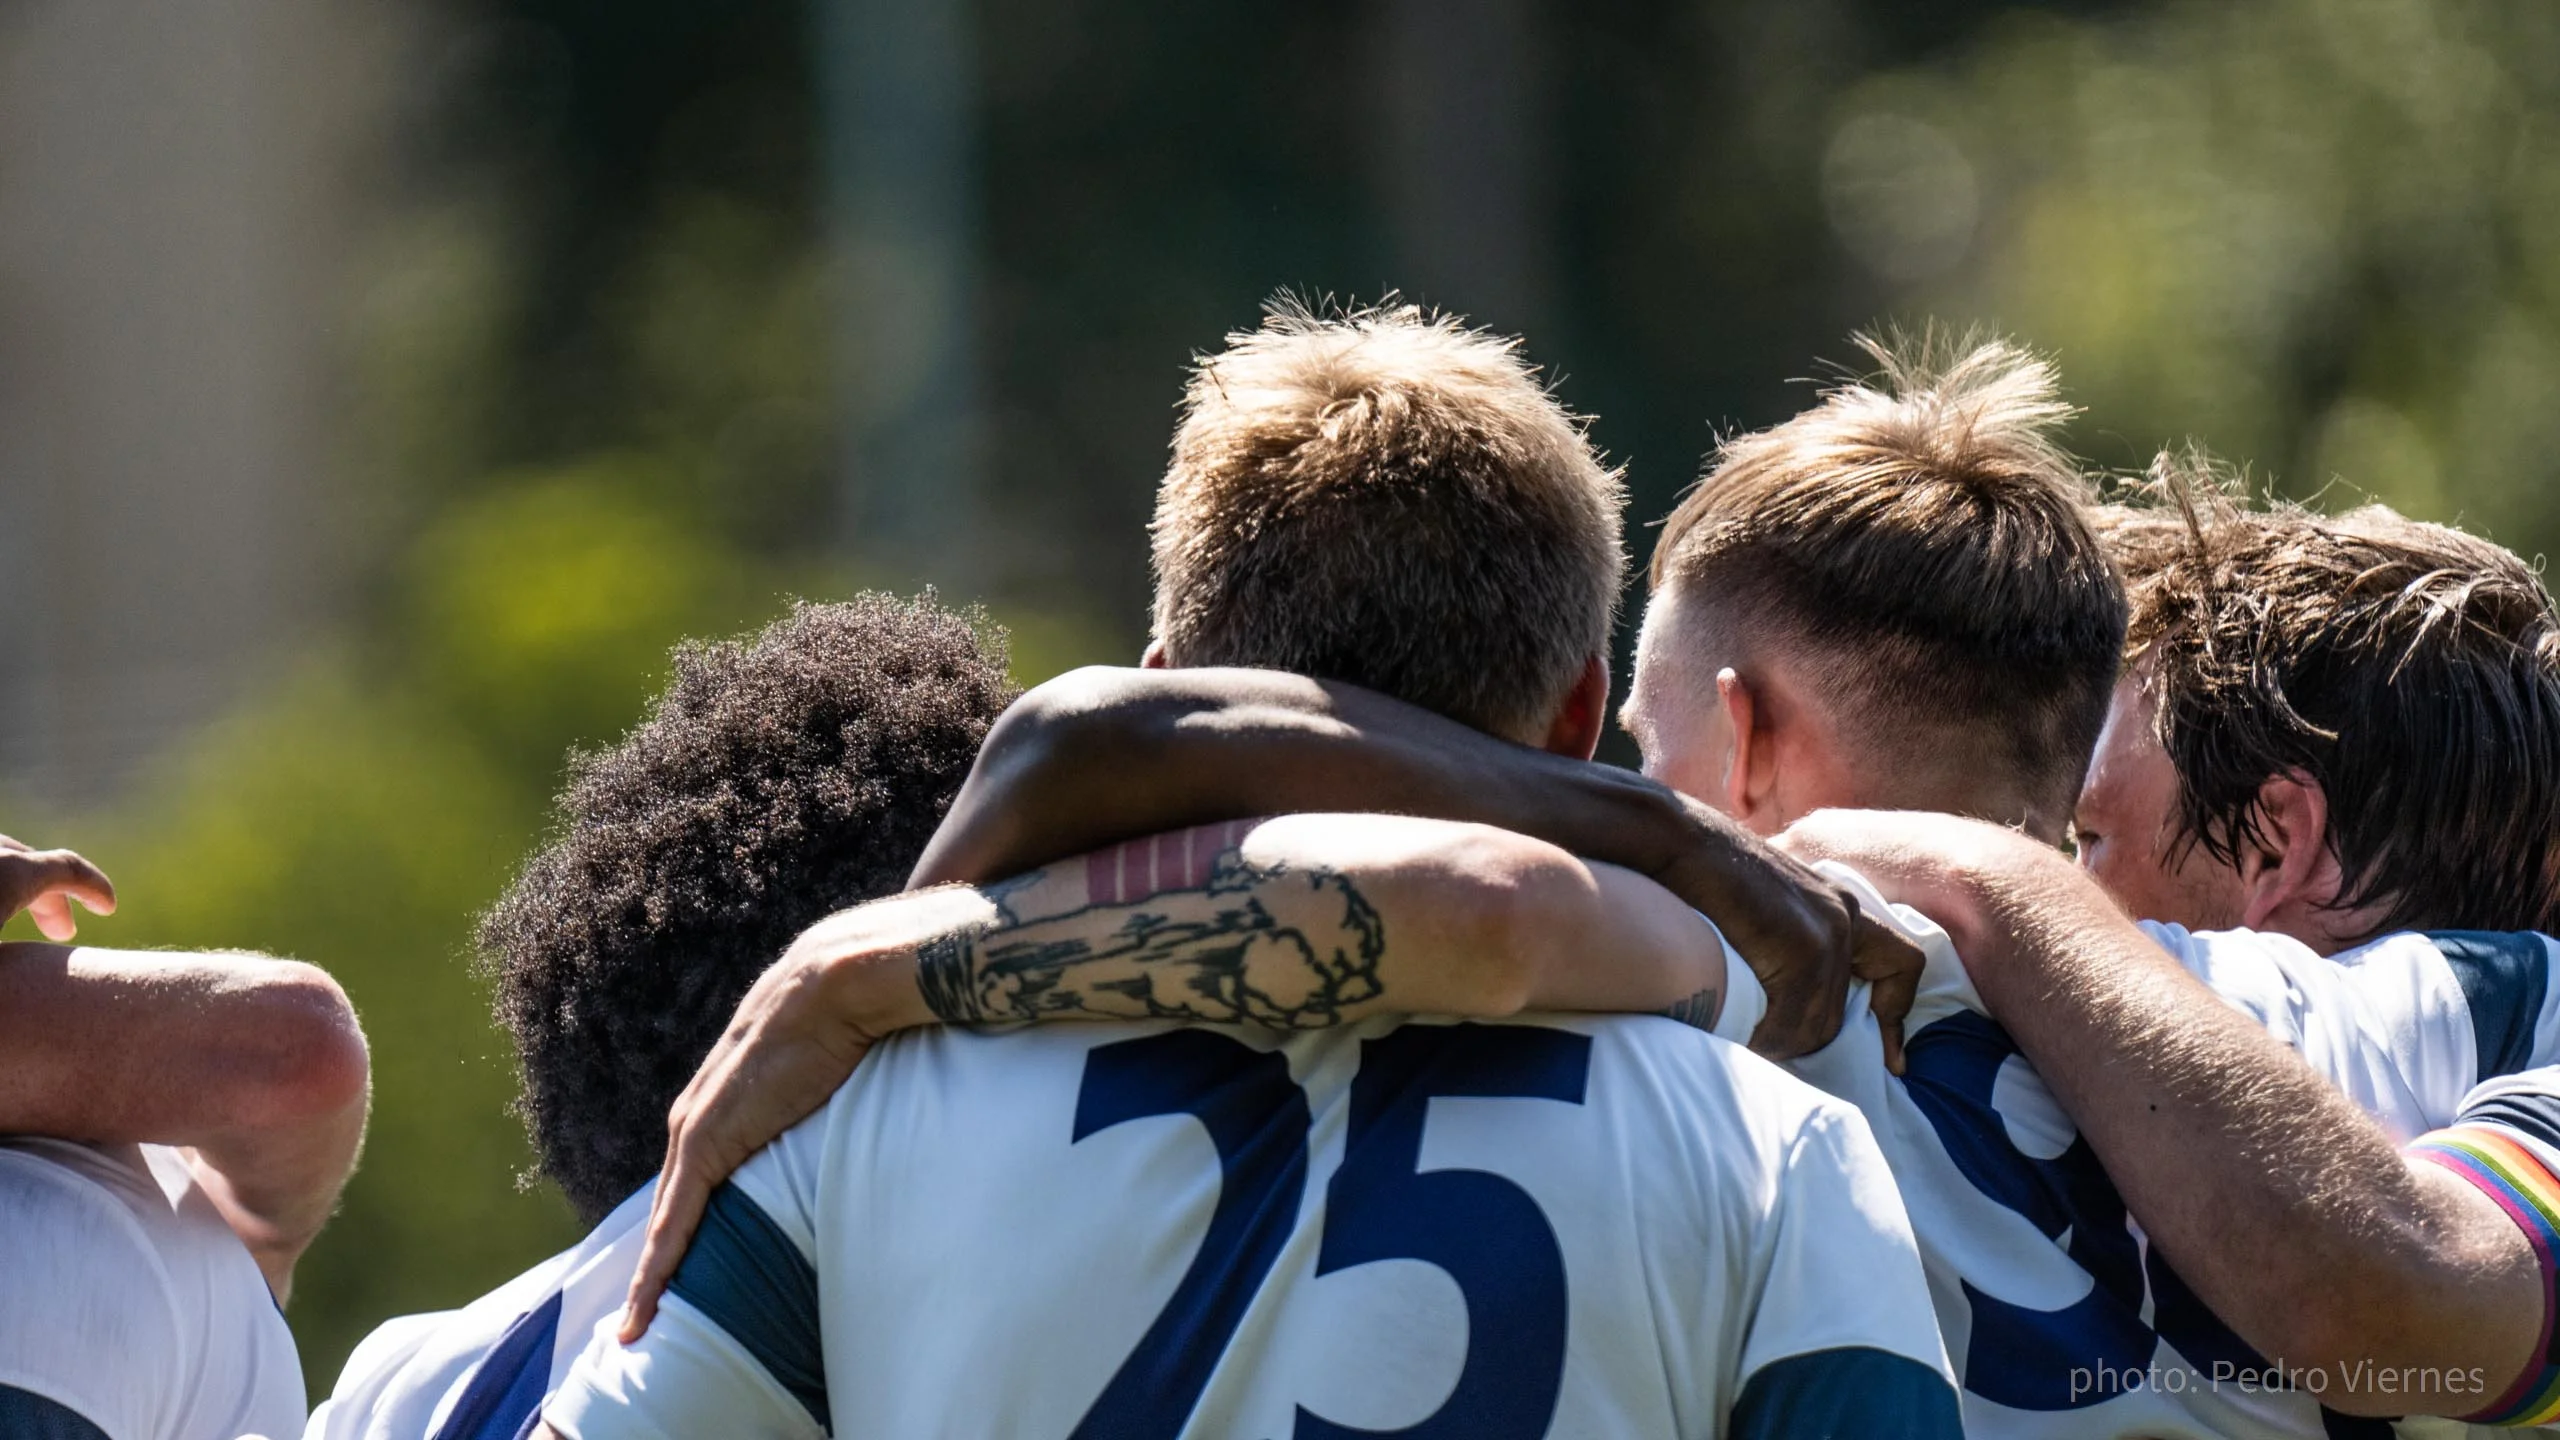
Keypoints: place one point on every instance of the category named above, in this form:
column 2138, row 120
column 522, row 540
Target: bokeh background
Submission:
column 385, row 384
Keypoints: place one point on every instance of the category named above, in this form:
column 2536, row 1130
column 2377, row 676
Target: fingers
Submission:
column 85, row 882
column 1891, row 967
column 45, row 882
column 1805, row 1010
column 684, row 1192
column 52, row 913
column 1891, row 999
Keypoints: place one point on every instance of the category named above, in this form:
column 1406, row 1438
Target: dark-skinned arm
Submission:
column 1100, row 755
column 2289, row 1211
column 1296, row 923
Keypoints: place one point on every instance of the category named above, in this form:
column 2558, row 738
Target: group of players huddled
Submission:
column 2137, row 907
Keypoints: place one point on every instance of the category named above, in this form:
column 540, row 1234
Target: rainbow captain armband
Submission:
column 2514, row 1176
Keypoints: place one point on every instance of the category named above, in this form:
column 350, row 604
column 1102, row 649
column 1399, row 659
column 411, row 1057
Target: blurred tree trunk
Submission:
column 1463, row 152
column 895, row 79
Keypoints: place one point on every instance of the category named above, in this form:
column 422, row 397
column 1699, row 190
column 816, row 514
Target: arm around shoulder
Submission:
column 1482, row 922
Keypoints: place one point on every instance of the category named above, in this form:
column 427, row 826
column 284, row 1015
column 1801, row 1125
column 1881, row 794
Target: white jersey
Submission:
column 128, row 1309
column 2061, row 1322
column 483, row 1371
column 1585, row 1227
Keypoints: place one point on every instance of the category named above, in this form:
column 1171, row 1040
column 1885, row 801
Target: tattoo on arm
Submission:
column 1699, row 1010
column 1230, row 941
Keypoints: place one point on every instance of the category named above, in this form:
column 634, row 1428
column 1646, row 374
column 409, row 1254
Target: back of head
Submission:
column 2412, row 670
column 1387, row 498
column 1917, row 545
column 776, row 781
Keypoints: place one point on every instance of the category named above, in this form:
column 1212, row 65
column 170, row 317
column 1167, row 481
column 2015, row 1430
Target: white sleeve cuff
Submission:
column 1744, row 1001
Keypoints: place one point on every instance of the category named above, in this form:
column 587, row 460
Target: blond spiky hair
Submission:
column 1921, row 539
column 1386, row 497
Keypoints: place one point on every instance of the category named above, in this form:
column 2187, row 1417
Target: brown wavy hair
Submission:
column 2411, row 670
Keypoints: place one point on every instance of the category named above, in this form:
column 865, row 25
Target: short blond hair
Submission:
column 1922, row 540
column 1386, row 497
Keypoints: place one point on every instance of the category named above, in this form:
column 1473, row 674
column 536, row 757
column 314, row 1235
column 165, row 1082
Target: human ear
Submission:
column 1751, row 774
column 1577, row 727
column 2290, row 864
column 1152, row 658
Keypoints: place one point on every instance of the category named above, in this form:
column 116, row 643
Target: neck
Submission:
column 1974, row 796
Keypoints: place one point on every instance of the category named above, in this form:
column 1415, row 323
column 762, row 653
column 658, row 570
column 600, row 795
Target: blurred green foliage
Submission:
column 589, row 394
column 2323, row 236
column 363, row 811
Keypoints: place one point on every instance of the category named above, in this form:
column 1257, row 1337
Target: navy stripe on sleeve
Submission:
column 2536, row 1115
column 1853, row 1393
column 744, row 1274
column 25, row 1415
column 513, row 1380
column 2503, row 976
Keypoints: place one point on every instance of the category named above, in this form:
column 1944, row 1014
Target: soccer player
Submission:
column 776, row 780
column 2344, row 734
column 1601, row 1227
column 1888, row 601
column 208, row 1109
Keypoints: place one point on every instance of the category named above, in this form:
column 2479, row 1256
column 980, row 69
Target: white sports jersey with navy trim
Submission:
column 1584, row 1227
column 2061, row 1323
column 2407, row 1025
column 128, row 1309
column 483, row 1371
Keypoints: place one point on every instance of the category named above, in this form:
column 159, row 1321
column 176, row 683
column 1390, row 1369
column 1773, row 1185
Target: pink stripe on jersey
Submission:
column 1133, row 870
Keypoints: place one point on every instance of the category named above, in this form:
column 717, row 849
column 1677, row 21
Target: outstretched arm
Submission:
column 1100, row 756
column 256, row 1066
column 2291, row 1213
column 1294, row 923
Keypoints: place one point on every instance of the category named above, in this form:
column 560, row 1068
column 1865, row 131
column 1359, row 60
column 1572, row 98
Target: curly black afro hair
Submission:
column 776, row 781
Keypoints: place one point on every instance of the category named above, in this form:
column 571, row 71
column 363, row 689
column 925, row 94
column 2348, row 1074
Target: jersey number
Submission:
column 1485, row 1232
column 2063, row 1359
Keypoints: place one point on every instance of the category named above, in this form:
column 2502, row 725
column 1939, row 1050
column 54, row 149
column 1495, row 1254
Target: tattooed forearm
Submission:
column 1252, row 944
column 946, row 967
column 1699, row 1010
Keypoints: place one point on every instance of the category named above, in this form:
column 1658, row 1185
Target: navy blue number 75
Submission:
column 1485, row 1232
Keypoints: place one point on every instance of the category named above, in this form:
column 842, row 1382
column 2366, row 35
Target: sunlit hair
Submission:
column 1917, row 542
column 1388, row 498
column 777, row 780
column 2411, row 670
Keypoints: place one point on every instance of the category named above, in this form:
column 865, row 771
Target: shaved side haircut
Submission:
column 1387, row 498
column 2412, row 670
column 1918, row 543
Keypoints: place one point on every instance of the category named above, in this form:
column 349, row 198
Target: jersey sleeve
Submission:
column 1844, row 1341
column 88, row 1325
column 2505, row 979
column 2405, row 1025
column 2506, row 1142
column 735, row 1348
column 1744, row 999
